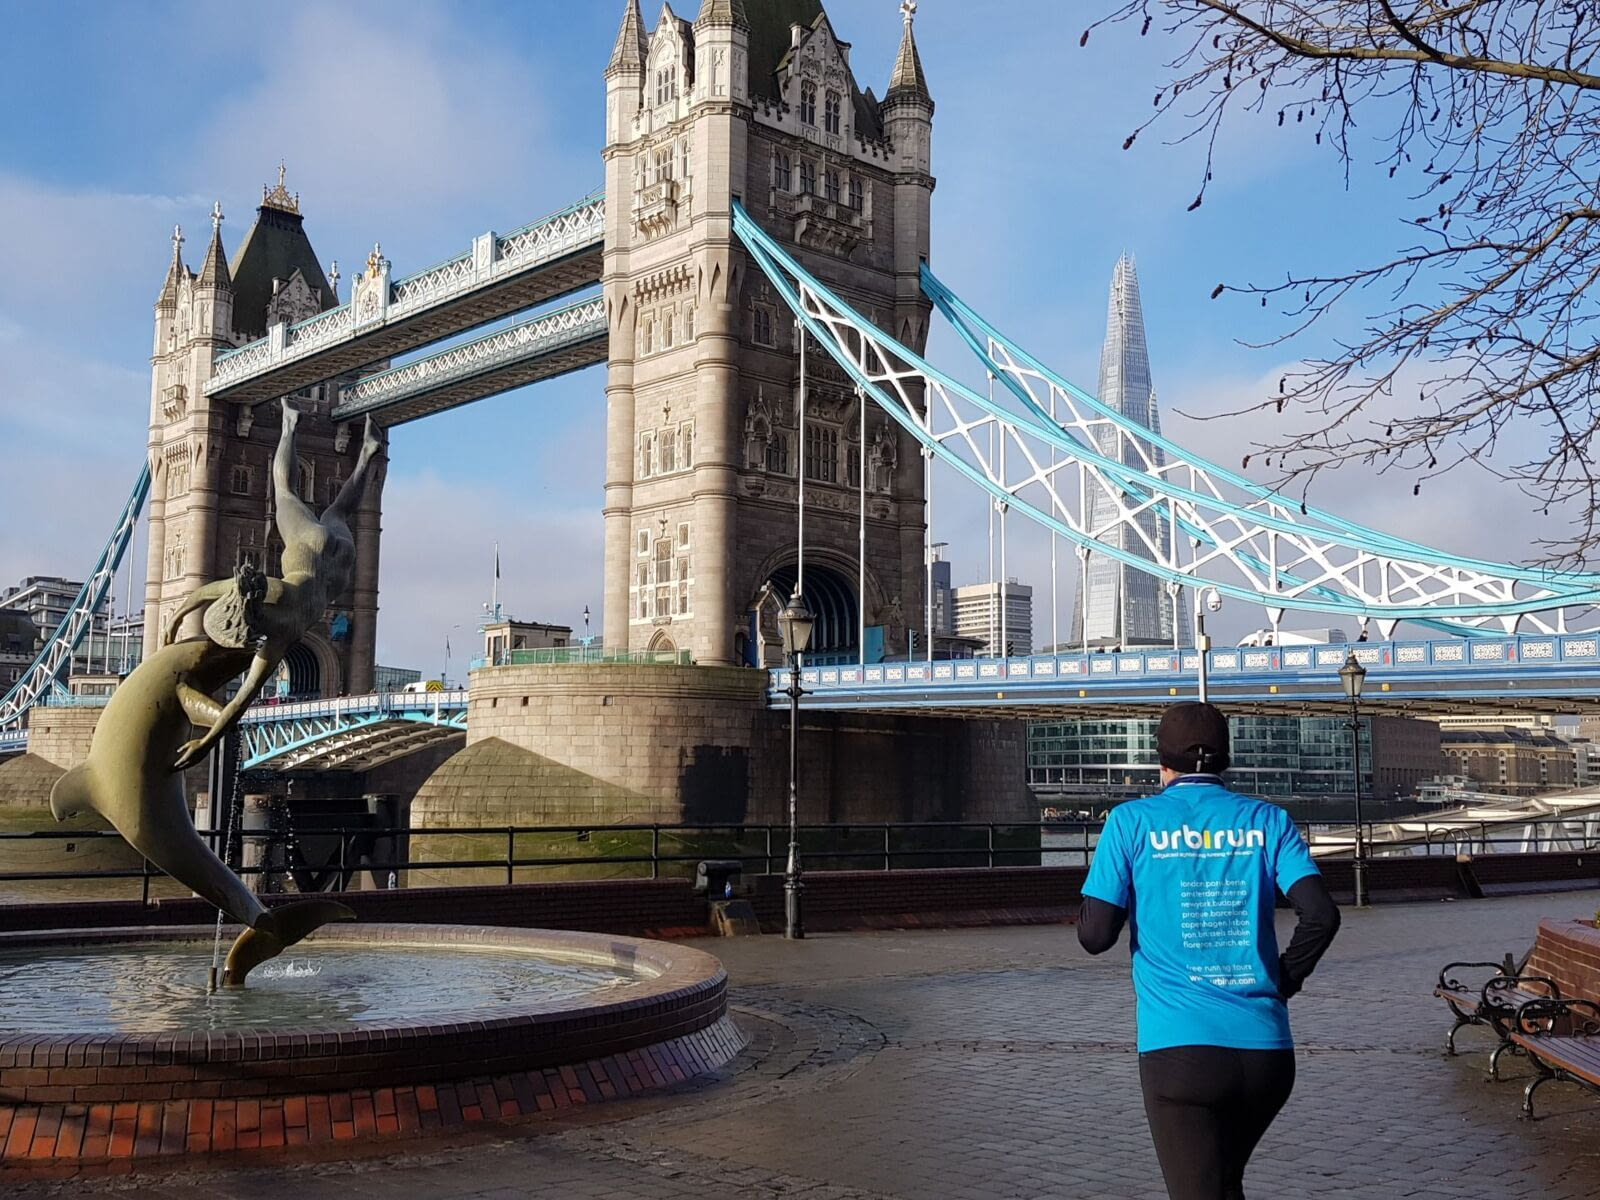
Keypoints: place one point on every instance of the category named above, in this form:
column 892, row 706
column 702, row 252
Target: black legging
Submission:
column 1208, row 1107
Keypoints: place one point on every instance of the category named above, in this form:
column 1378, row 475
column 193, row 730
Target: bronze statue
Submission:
column 142, row 744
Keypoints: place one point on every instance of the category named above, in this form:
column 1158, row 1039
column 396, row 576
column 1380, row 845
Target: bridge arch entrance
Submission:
column 831, row 596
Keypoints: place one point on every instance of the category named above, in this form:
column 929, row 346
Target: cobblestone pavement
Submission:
column 999, row 1063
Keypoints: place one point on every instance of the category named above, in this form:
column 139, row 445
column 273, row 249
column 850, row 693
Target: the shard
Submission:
column 1125, row 606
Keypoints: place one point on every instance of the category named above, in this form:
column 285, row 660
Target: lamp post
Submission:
column 1212, row 599
column 795, row 623
column 586, row 638
column 1352, row 675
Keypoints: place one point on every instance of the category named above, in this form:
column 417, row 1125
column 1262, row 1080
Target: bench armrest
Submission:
column 1510, row 983
column 1584, row 1016
column 1448, row 981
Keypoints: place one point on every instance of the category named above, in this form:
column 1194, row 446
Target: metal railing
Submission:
column 586, row 654
column 521, row 853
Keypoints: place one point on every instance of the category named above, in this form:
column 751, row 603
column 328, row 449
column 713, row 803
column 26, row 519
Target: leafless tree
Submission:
column 1490, row 111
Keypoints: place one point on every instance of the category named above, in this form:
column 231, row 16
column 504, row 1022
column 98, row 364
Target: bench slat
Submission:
column 1577, row 1056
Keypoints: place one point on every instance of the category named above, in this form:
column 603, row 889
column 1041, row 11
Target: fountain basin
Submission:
column 601, row 1017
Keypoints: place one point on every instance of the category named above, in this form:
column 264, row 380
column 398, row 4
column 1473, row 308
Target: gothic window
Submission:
column 644, row 542
column 830, row 183
column 668, row 452
column 664, row 587
column 831, row 113
column 307, row 490
column 782, row 171
column 683, row 536
column 688, row 324
column 647, row 454
column 808, row 104
column 822, row 453
column 666, row 85
column 683, row 161
column 666, row 332
column 853, row 466
column 858, row 193
column 648, row 335
column 778, row 454
column 761, row 328
column 644, row 589
column 808, row 178
column 663, row 164
column 239, row 481
column 686, row 445
column 683, row 590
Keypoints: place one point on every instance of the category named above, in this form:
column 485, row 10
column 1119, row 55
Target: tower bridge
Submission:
column 756, row 275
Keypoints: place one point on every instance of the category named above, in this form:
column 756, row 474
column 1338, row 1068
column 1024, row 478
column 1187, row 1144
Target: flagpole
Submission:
column 494, row 597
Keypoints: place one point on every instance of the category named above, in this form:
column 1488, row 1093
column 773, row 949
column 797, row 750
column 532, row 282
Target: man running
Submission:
column 1198, row 869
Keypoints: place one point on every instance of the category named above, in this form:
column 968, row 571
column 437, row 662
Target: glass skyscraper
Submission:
column 1125, row 606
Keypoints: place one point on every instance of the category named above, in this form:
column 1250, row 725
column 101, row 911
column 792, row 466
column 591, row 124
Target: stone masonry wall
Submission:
column 699, row 745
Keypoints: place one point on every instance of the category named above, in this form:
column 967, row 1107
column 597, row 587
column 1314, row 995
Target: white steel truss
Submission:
column 1224, row 532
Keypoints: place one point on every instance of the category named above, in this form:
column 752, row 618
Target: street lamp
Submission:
column 795, row 623
column 1212, row 599
column 1352, row 675
column 586, row 638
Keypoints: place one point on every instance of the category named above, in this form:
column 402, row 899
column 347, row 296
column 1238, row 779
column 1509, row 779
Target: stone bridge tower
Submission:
column 211, row 490
column 756, row 101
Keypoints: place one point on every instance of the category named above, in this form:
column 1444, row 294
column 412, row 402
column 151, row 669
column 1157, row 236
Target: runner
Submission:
column 1198, row 868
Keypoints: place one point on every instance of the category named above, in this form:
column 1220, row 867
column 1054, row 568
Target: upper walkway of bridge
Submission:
column 498, row 276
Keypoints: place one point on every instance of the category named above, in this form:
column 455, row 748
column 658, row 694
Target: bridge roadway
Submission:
column 1546, row 673
column 1553, row 673
column 496, row 277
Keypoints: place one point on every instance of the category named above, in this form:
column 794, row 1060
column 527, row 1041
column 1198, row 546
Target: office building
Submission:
column 1280, row 756
column 1117, row 604
column 997, row 615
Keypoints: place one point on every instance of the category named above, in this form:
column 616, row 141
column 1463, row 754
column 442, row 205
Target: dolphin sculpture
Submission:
column 129, row 780
column 142, row 744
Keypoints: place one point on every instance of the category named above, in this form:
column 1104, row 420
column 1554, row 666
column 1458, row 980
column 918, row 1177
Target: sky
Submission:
column 422, row 124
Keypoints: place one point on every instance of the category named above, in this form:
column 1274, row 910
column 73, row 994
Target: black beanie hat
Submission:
column 1193, row 737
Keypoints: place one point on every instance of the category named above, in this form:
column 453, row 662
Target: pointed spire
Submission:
column 722, row 12
column 175, row 272
column 279, row 197
column 633, row 47
column 908, row 76
column 214, row 271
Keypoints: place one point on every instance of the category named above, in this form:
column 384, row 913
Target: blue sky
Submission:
column 422, row 124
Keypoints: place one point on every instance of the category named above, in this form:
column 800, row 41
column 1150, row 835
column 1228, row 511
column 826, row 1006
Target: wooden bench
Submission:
column 1562, row 1040
column 1493, row 1003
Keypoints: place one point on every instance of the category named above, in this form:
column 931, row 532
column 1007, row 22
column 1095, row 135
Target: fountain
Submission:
column 113, row 1046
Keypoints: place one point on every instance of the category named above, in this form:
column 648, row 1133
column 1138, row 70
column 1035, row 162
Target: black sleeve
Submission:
column 1100, row 925
column 1319, row 921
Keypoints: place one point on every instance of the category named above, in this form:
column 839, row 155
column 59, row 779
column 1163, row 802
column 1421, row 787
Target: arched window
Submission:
column 778, row 454
column 782, row 172
column 761, row 328
column 831, row 113
column 808, row 104
column 830, row 185
column 666, row 84
column 808, row 178
column 858, row 193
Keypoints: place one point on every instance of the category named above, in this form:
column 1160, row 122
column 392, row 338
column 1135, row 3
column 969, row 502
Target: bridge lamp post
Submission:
column 1212, row 599
column 1352, row 675
column 795, row 622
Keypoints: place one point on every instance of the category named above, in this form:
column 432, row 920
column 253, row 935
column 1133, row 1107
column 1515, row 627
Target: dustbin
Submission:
column 712, row 876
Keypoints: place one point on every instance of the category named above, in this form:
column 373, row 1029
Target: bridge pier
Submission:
column 564, row 744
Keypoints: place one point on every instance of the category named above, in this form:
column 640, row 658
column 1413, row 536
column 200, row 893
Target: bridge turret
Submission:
column 908, row 122
column 625, row 74
column 214, row 288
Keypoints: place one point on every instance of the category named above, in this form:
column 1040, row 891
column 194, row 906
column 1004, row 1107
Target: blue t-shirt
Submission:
column 1198, row 868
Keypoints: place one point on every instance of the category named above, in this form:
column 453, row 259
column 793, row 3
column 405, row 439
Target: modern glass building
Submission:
column 1272, row 756
column 1126, row 606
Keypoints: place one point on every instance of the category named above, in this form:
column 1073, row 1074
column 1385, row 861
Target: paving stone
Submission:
column 999, row 1063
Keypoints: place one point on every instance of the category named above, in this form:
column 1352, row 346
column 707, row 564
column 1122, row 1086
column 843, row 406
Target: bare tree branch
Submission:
column 1490, row 323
